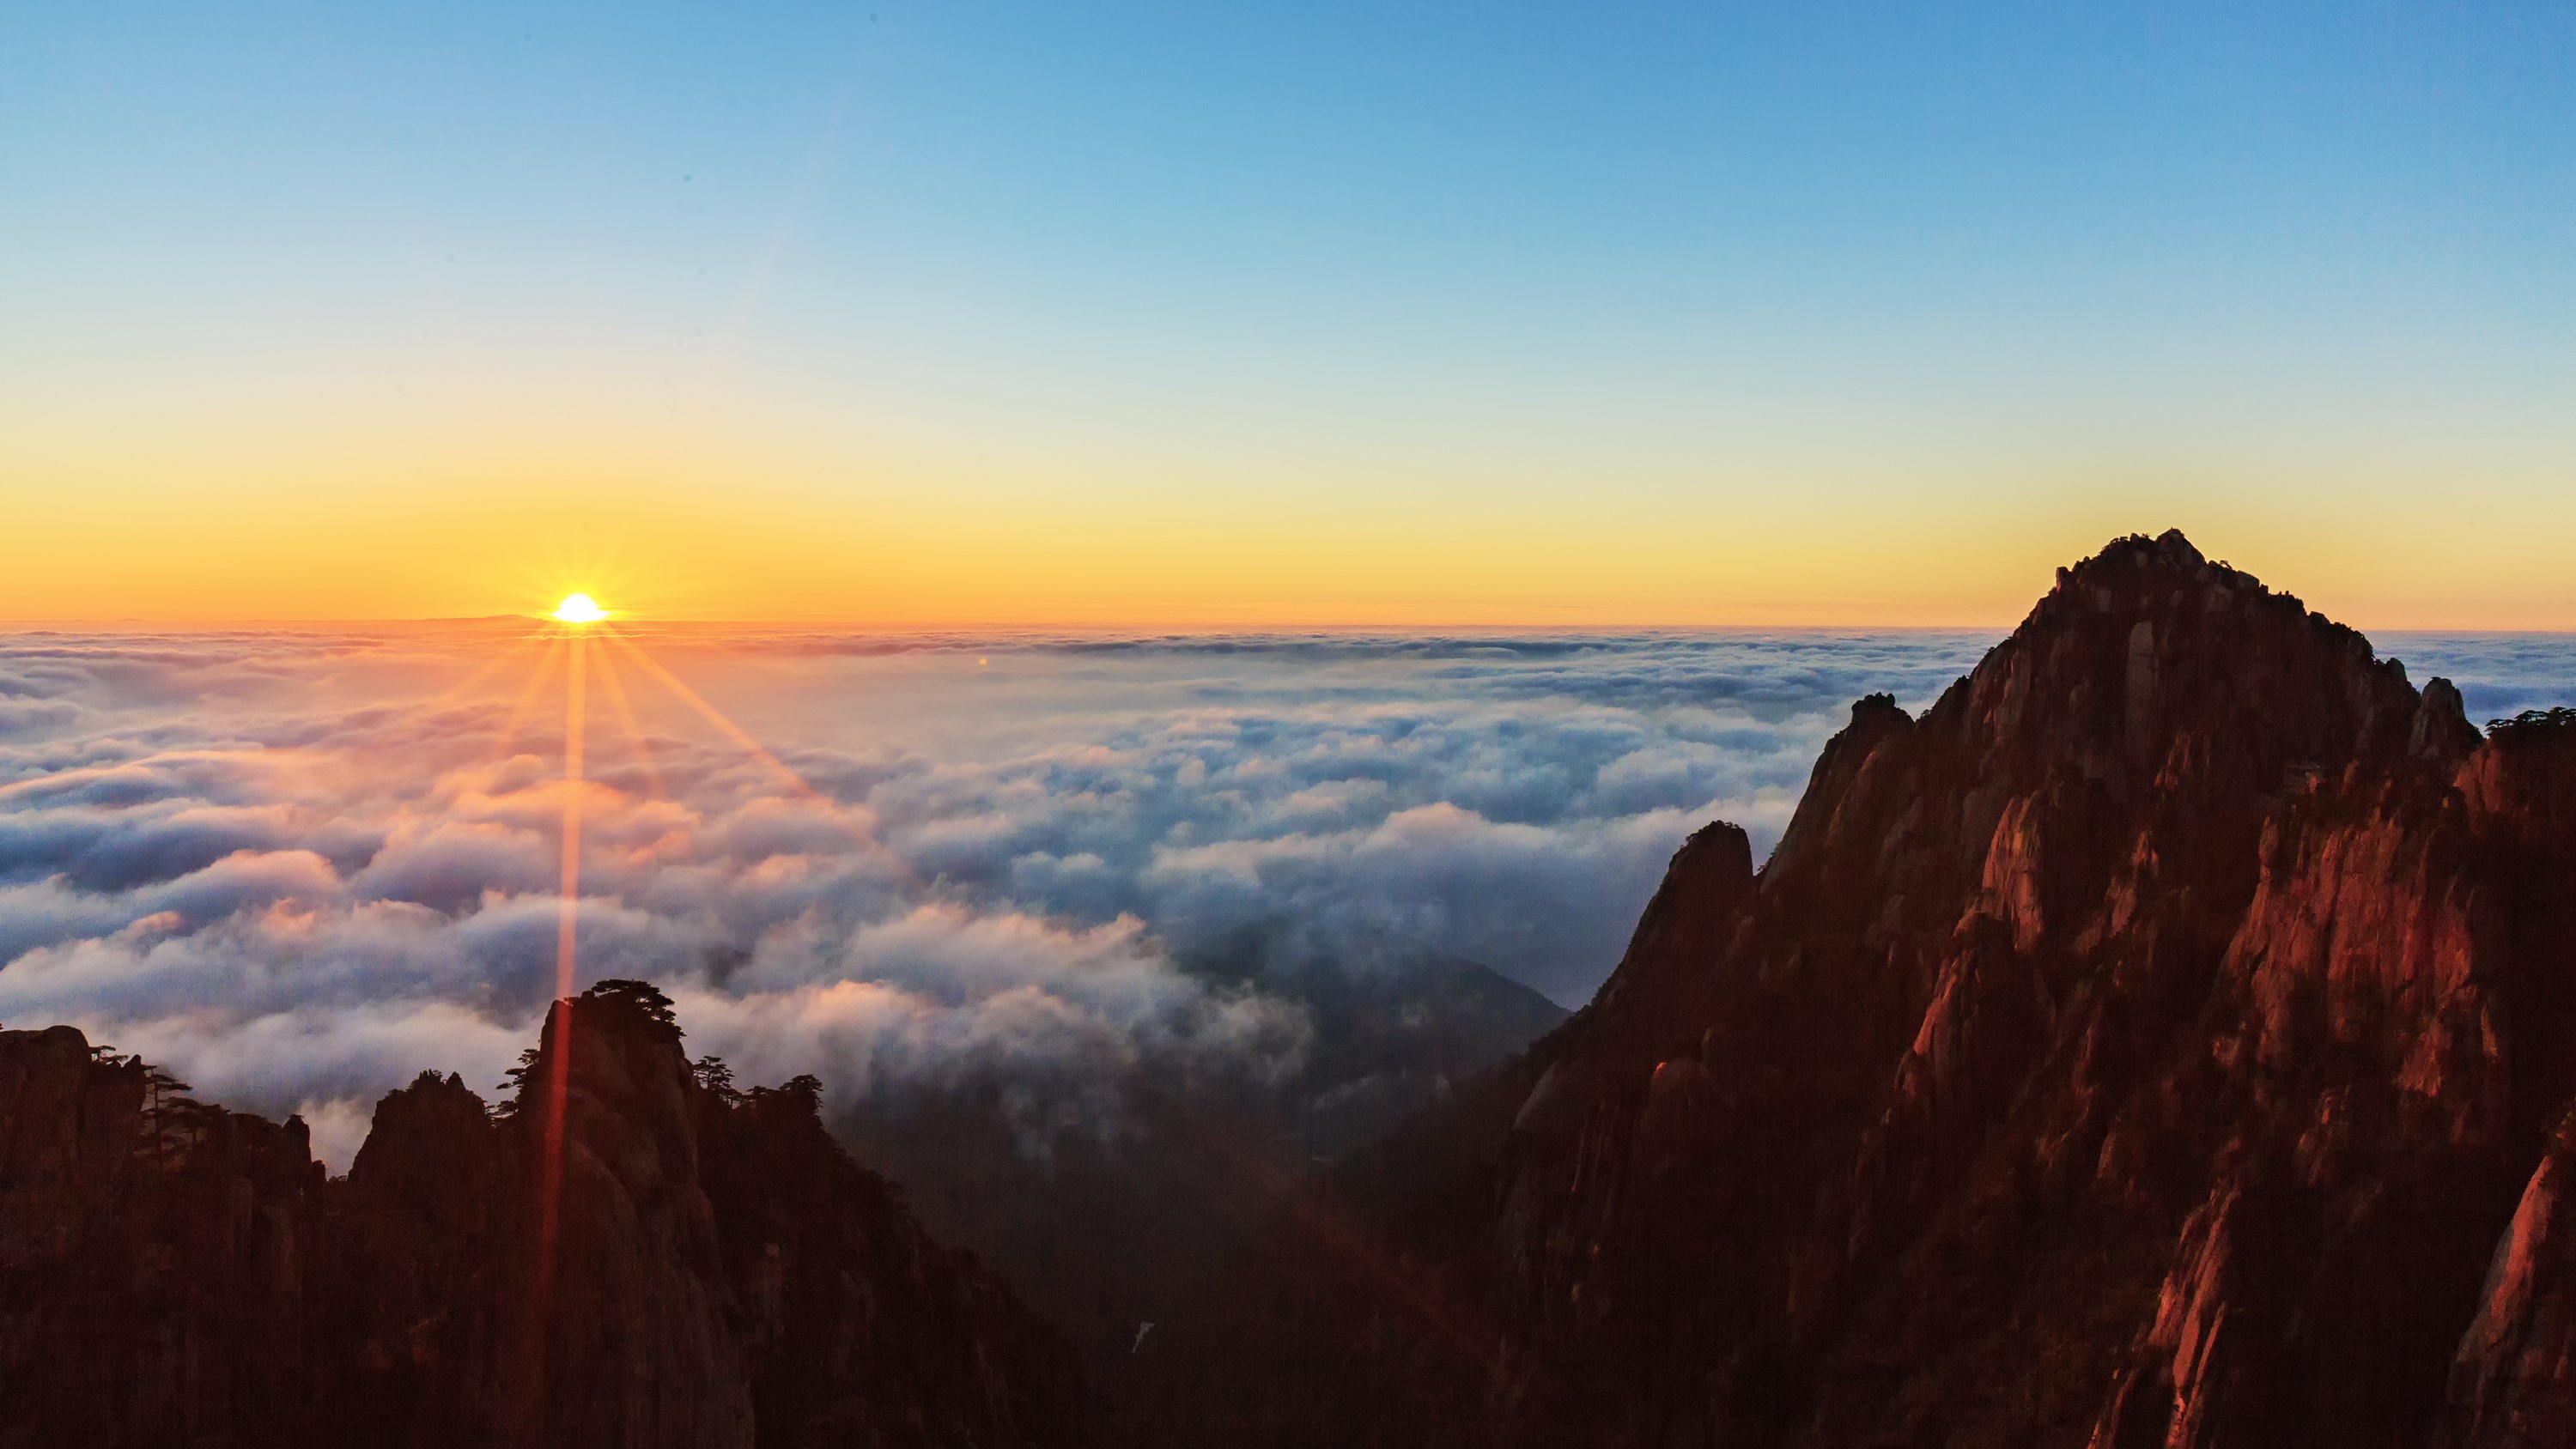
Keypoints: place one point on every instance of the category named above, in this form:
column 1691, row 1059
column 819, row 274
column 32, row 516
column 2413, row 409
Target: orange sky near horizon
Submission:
column 1010, row 582
column 937, row 554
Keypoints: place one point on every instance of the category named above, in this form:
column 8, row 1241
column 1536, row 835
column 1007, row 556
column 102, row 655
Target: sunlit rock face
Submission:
column 2157, row 1042
column 632, row 1254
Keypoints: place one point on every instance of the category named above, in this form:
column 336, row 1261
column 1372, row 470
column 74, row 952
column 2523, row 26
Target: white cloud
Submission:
column 289, row 869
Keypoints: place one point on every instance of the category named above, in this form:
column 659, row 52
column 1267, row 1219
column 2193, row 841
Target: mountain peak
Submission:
column 2178, row 1004
column 2138, row 574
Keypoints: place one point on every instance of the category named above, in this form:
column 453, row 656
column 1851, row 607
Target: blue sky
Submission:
column 1830, row 279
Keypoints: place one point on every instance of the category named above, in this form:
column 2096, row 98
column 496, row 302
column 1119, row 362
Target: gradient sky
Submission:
column 1262, row 313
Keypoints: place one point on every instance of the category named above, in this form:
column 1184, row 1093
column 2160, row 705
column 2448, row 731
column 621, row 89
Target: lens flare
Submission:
column 572, row 648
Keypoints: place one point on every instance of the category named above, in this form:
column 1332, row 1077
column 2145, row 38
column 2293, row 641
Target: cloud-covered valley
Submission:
column 298, row 867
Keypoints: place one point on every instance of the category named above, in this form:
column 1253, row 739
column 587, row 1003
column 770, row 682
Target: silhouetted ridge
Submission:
column 719, row 1271
column 2158, row 1041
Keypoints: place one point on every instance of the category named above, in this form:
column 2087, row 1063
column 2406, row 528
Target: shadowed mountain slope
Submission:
column 2164, row 1040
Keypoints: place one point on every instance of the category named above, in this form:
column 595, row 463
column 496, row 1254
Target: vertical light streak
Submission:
column 559, row 1064
column 575, row 710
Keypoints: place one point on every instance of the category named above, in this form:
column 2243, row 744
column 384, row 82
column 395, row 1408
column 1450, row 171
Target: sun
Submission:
column 579, row 609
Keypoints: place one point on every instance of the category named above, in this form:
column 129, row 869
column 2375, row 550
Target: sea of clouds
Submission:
column 297, row 867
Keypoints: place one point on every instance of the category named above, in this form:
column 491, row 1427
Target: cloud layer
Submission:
column 299, row 867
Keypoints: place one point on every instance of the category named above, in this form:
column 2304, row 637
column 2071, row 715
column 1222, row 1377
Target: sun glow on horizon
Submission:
column 578, row 609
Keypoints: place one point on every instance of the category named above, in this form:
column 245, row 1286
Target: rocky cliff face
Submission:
column 631, row 1254
column 2158, row 1042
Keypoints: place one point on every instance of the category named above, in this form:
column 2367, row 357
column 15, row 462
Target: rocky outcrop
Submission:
column 630, row 1254
column 2148, row 1045
column 154, row 1257
column 2514, row 1381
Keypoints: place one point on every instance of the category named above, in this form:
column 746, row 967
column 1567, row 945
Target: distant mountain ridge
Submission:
column 2167, row 1039
column 718, row 1271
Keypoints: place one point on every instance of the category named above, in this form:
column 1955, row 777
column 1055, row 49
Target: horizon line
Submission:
column 1106, row 624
